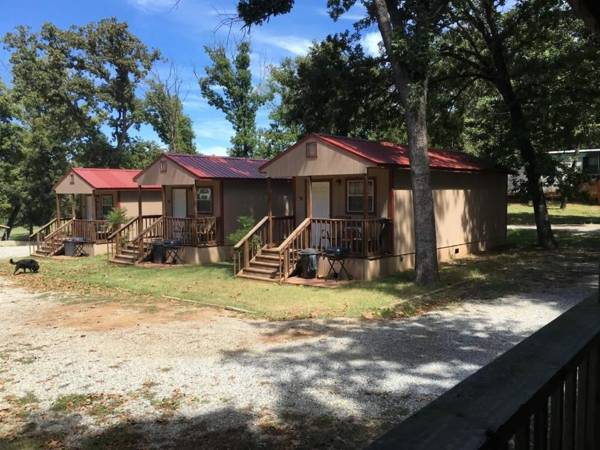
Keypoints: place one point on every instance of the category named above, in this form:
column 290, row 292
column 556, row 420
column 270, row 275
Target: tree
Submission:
column 164, row 111
column 336, row 89
column 589, row 11
column 11, row 136
column 118, row 62
column 228, row 87
column 509, row 50
column 409, row 29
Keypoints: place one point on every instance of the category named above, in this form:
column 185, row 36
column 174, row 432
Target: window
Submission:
column 107, row 205
column 311, row 150
column 163, row 166
column 71, row 179
column 204, row 200
column 591, row 164
column 354, row 196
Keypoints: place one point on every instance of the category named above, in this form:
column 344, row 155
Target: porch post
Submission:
column 73, row 210
column 163, row 197
column 366, row 195
column 140, row 219
column 58, row 209
column 195, row 200
column 365, row 239
column 309, row 207
column 270, row 210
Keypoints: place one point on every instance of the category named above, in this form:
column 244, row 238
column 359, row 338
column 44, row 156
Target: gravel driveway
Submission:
column 81, row 373
column 14, row 251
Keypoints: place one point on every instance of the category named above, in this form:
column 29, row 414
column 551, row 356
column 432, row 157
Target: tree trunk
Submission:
column 12, row 218
column 522, row 139
column 563, row 202
column 413, row 94
column 534, row 178
column 426, row 261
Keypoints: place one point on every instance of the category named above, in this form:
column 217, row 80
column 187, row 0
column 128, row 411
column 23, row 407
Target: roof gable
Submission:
column 86, row 179
column 389, row 154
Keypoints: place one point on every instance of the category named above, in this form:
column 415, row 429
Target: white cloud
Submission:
column 217, row 150
column 370, row 43
column 153, row 5
column 220, row 130
column 293, row 44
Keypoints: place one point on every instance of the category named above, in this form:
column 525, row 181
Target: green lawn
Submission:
column 484, row 277
column 574, row 213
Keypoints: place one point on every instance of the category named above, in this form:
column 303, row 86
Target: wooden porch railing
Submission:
column 95, row 231
column 288, row 250
column 36, row 239
column 542, row 394
column 53, row 239
column 268, row 232
column 363, row 237
column 127, row 233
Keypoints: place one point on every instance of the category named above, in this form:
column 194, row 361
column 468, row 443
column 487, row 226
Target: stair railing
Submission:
column 36, row 239
column 55, row 239
column 289, row 248
column 126, row 233
column 154, row 231
column 250, row 245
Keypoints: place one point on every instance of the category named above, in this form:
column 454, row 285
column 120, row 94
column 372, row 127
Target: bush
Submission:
column 116, row 217
column 245, row 225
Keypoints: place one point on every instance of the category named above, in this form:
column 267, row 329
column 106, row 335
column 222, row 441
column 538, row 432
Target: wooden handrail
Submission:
column 299, row 229
column 249, row 234
column 128, row 224
column 49, row 224
column 148, row 228
column 60, row 228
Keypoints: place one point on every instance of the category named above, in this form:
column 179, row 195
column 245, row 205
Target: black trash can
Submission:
column 158, row 251
column 71, row 245
column 309, row 263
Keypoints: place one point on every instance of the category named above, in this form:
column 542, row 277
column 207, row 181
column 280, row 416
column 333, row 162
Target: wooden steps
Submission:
column 263, row 267
column 129, row 254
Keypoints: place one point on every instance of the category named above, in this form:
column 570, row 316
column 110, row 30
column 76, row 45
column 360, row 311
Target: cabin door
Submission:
column 89, row 207
column 321, row 209
column 179, row 203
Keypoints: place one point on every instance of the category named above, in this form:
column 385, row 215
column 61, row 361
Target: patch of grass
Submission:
column 573, row 214
column 487, row 276
column 72, row 402
column 27, row 399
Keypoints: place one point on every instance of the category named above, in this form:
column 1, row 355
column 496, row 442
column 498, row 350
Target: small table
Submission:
column 338, row 256
column 78, row 248
column 173, row 254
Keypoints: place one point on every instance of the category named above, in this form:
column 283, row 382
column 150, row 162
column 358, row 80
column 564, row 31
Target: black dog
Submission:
column 25, row 264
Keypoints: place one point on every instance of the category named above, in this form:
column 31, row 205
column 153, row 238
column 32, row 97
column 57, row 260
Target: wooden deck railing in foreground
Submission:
column 542, row 394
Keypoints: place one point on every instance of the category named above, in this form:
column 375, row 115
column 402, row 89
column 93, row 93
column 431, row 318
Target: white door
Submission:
column 321, row 206
column 179, row 202
column 89, row 207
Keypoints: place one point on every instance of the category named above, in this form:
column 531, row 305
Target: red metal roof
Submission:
column 203, row 166
column 387, row 153
column 100, row 178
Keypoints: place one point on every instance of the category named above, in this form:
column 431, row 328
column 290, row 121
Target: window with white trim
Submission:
column 107, row 205
column 204, row 200
column 355, row 197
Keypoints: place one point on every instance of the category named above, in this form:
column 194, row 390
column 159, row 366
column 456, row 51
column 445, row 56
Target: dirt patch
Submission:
column 289, row 335
column 115, row 316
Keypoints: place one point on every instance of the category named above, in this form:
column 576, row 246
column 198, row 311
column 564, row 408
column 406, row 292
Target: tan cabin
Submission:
column 89, row 195
column 355, row 194
column 202, row 198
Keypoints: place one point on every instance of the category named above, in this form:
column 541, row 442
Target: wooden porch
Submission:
column 49, row 239
column 132, row 243
column 270, row 251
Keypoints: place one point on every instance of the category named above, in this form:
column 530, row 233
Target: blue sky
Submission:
column 180, row 33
